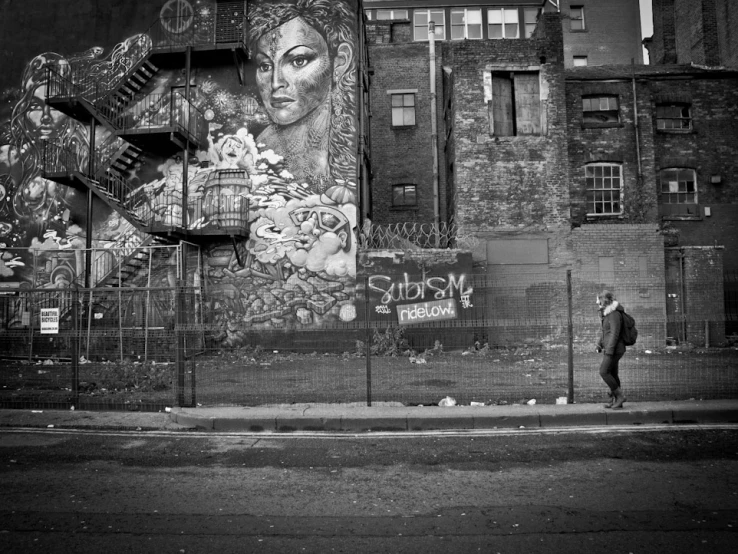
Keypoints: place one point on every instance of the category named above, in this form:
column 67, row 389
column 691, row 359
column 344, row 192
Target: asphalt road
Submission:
column 637, row 490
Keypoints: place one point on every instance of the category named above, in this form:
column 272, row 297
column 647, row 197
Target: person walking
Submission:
column 611, row 345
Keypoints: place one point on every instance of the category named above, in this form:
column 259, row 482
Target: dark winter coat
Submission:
column 611, row 341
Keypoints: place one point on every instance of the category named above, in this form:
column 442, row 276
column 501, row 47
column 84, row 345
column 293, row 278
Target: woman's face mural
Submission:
column 43, row 122
column 293, row 71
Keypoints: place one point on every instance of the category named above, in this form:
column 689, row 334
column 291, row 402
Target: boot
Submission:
column 611, row 401
column 619, row 398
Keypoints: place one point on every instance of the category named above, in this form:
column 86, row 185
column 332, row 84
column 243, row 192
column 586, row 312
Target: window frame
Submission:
column 665, row 183
column 393, row 16
column 465, row 24
column 530, row 26
column 580, row 18
column 512, row 110
column 580, row 58
column 674, row 118
column 427, row 12
column 615, row 195
column 403, row 107
column 608, row 109
column 405, row 204
column 503, row 23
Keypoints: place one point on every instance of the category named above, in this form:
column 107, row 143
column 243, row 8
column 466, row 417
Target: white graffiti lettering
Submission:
column 382, row 309
column 407, row 290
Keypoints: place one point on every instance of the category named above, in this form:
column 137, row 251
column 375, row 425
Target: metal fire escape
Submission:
column 160, row 124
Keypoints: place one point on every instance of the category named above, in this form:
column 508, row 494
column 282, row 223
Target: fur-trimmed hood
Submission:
column 611, row 308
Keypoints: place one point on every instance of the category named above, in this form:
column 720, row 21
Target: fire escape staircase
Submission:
column 113, row 95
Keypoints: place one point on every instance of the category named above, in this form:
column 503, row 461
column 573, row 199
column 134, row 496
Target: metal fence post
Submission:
column 179, row 341
column 368, row 344
column 570, row 339
column 75, row 347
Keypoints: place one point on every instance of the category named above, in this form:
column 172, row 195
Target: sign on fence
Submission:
column 423, row 312
column 49, row 321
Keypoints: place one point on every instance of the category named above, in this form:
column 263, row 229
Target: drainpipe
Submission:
column 682, row 291
column 434, row 128
column 186, row 160
column 91, row 172
column 635, row 118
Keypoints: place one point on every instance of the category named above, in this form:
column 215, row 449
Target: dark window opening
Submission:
column 673, row 117
column 678, row 186
column 600, row 109
column 404, row 196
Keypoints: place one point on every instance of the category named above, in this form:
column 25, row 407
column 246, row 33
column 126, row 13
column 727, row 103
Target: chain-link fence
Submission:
column 480, row 339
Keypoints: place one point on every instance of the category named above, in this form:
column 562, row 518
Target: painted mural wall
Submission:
column 289, row 121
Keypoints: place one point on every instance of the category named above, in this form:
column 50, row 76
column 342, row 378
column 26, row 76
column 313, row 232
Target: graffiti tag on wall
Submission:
column 406, row 289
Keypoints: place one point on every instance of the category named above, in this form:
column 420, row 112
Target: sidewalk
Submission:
column 380, row 417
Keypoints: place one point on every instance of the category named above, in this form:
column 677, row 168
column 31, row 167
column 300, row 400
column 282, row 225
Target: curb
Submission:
column 363, row 419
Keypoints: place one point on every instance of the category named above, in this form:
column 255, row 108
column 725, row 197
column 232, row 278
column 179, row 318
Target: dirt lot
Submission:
column 255, row 377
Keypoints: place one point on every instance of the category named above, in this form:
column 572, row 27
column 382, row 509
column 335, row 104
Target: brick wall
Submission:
column 711, row 150
column 615, row 144
column 727, row 18
column 695, row 284
column 703, row 32
column 637, row 253
column 508, row 182
column 612, row 32
column 404, row 155
column 662, row 48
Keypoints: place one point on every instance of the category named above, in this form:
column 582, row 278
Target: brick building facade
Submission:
column 623, row 161
column 595, row 32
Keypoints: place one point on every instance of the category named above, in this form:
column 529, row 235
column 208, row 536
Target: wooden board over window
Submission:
column 514, row 104
column 527, row 104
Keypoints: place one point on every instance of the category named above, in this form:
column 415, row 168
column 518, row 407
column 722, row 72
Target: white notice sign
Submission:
column 49, row 321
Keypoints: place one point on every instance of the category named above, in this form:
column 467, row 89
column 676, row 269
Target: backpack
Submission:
column 629, row 333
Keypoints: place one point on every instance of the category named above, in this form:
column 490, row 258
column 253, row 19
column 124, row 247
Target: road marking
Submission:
column 337, row 435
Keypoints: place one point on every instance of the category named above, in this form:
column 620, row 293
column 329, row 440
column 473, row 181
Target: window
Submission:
column 403, row 109
column 515, row 104
column 604, row 188
column 466, row 23
column 600, row 109
column 368, row 14
column 421, row 20
column 580, row 61
column 678, row 186
column 391, row 14
column 576, row 17
column 503, row 23
column 530, row 18
column 673, row 117
column 404, row 196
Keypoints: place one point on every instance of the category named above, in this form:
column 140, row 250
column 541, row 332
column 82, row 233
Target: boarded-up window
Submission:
column 517, row 251
column 515, row 105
